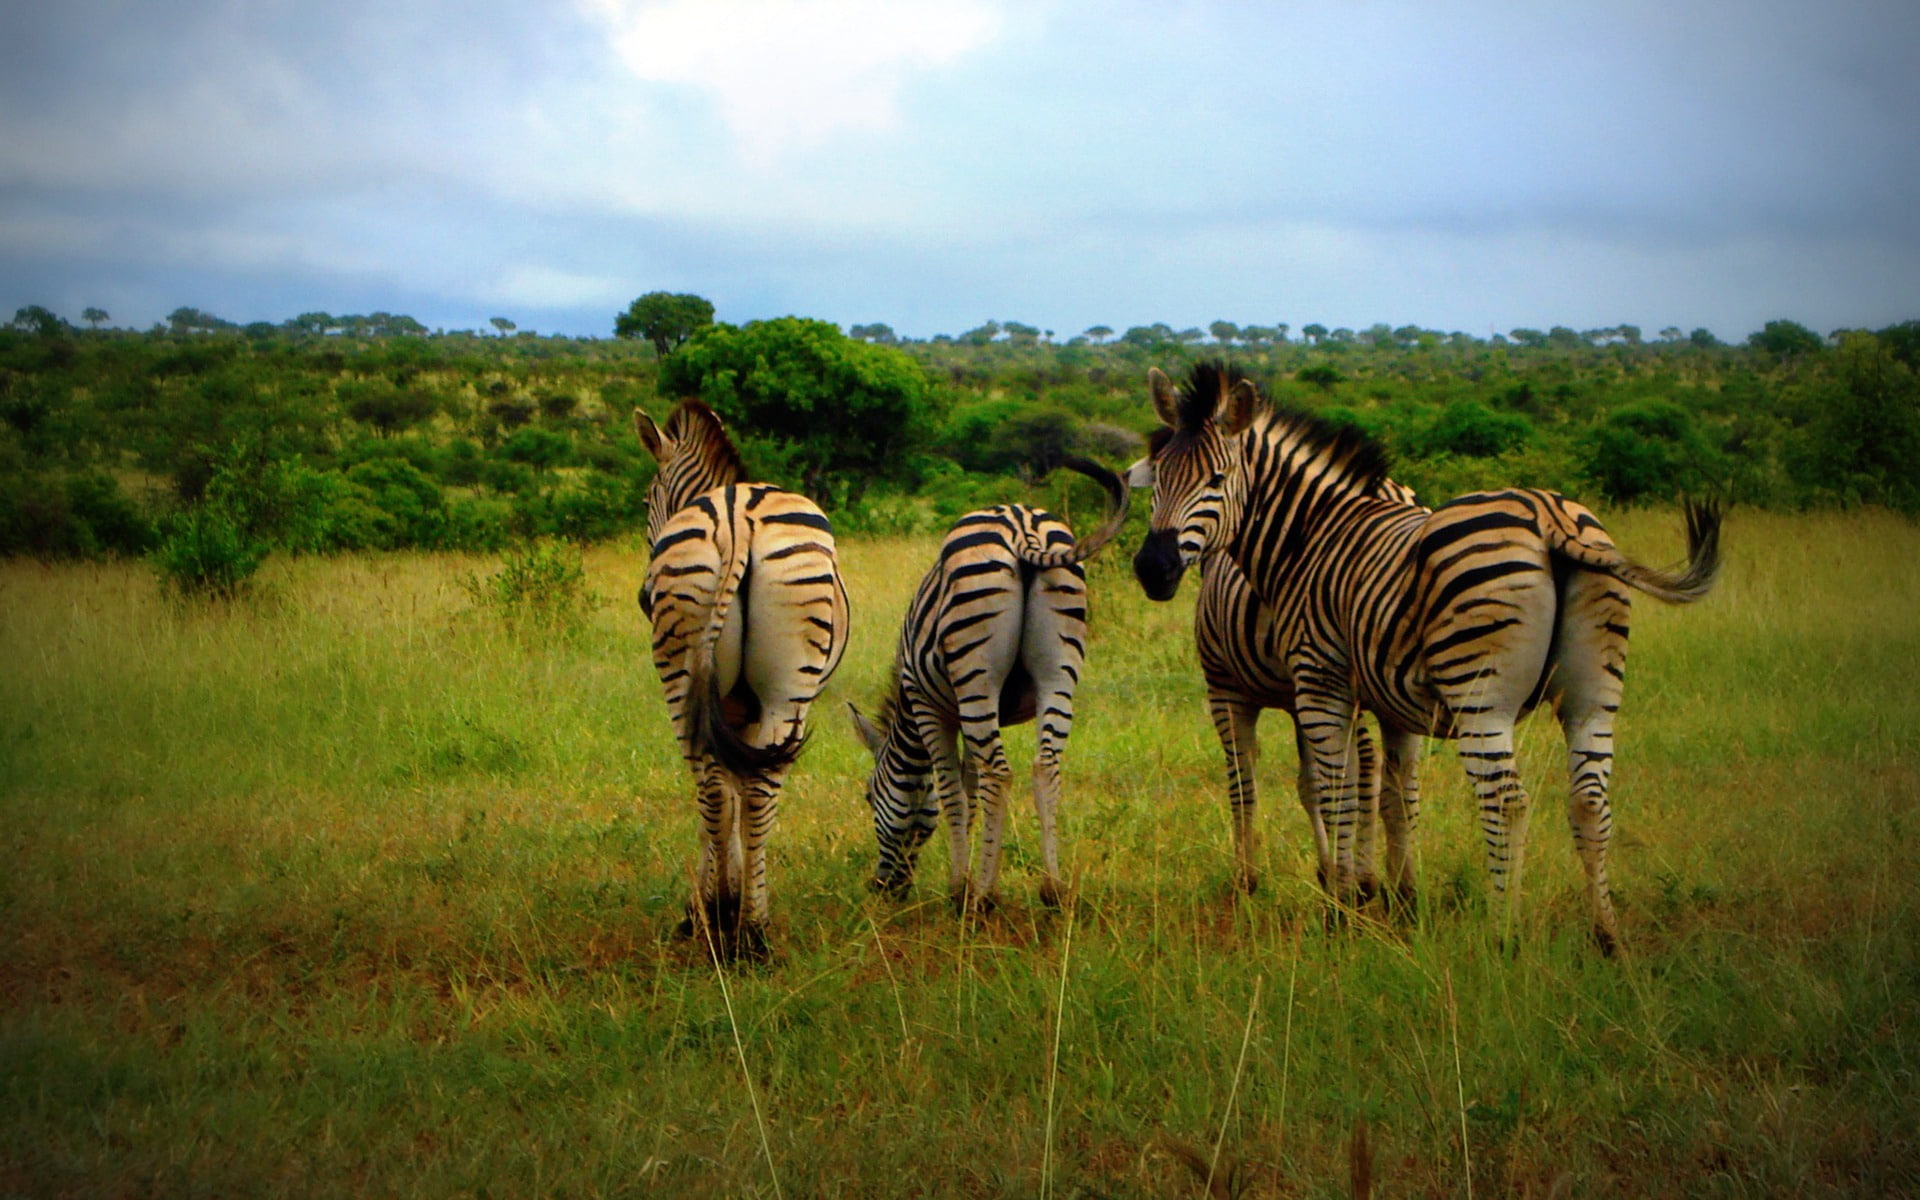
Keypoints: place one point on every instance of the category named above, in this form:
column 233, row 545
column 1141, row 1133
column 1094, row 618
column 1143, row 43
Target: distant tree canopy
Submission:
column 835, row 412
column 664, row 318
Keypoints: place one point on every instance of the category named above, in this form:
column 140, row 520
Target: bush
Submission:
column 207, row 551
column 1471, row 428
column 541, row 587
column 1647, row 450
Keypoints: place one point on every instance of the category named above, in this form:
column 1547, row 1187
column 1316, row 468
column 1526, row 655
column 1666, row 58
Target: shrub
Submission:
column 1647, row 450
column 1471, row 428
column 208, row 551
column 540, row 588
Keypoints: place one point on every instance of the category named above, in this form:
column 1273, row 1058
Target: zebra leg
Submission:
column 955, row 804
column 989, row 762
column 1400, row 811
column 715, row 906
column 1326, row 726
column 1367, row 788
column 1310, row 801
column 1587, row 687
column 1236, row 720
column 1056, row 725
column 1486, row 747
column 759, row 806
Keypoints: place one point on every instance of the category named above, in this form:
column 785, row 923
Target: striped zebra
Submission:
column 1245, row 669
column 749, row 621
column 1453, row 623
column 995, row 636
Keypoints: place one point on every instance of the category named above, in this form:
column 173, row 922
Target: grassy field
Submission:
column 350, row 889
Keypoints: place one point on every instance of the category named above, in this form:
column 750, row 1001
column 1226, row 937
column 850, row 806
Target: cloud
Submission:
column 543, row 287
column 787, row 74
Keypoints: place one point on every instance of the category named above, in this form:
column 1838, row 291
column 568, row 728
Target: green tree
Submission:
column 36, row 318
column 94, row 317
column 503, row 325
column 665, row 319
column 837, row 413
column 1099, row 333
column 1786, row 339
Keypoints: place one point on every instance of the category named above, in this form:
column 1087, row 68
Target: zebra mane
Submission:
column 1353, row 456
column 693, row 422
column 1358, row 459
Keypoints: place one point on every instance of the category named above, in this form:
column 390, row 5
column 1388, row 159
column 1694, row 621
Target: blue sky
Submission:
column 933, row 164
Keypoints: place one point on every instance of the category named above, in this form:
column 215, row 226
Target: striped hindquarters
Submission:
column 749, row 621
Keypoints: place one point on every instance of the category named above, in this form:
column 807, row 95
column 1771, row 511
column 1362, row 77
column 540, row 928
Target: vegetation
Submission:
column 343, row 433
column 361, row 885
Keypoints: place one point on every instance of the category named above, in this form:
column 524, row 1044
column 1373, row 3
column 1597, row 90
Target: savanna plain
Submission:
column 361, row 885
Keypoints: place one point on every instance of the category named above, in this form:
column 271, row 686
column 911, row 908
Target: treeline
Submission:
column 203, row 440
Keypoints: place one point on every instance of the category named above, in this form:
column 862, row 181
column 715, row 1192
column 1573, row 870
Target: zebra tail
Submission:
column 707, row 726
column 1684, row 585
column 1118, row 497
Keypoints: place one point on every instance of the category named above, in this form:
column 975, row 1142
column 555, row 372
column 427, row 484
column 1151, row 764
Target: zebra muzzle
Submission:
column 1157, row 564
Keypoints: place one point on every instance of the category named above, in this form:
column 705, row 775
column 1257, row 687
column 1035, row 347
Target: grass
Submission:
column 352, row 888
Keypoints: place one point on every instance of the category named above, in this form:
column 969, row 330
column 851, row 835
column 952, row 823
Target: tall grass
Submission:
column 350, row 887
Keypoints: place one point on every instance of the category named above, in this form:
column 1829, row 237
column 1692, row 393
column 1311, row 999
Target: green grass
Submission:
column 351, row 888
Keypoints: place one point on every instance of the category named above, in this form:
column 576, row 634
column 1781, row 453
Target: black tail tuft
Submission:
column 1703, row 543
column 712, row 734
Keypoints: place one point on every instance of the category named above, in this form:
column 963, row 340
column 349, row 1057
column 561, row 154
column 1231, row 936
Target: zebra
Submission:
column 749, row 621
column 1245, row 671
column 995, row 636
column 1452, row 623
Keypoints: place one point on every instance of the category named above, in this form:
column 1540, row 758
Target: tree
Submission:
column 833, row 414
column 504, row 326
column 1786, row 339
column 95, row 317
column 1224, row 332
column 1314, row 333
column 666, row 319
column 1098, row 333
column 35, row 318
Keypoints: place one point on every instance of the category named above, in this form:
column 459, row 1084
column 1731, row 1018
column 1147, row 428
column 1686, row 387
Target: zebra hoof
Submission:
column 1051, row 893
column 1605, row 940
column 751, row 943
column 969, row 903
column 1246, row 882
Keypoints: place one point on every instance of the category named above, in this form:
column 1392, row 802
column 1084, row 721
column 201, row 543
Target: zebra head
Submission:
column 695, row 455
column 1195, row 467
column 904, row 814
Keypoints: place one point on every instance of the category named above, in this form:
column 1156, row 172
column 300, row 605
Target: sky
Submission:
column 933, row 164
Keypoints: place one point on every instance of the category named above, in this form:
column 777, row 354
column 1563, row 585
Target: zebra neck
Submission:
column 1288, row 504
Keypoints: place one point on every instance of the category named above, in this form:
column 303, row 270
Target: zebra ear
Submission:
column 1235, row 411
column 1166, row 403
column 1140, row 474
column 870, row 734
column 650, row 435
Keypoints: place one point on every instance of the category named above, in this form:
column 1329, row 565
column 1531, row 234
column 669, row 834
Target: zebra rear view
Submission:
column 995, row 636
column 749, row 621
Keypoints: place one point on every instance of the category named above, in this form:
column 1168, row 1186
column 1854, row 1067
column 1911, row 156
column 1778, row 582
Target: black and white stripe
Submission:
column 995, row 636
column 1453, row 623
column 749, row 621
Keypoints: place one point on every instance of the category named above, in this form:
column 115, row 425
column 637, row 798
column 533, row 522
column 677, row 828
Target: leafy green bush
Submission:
column 207, row 551
column 540, row 588
column 1647, row 450
column 1471, row 428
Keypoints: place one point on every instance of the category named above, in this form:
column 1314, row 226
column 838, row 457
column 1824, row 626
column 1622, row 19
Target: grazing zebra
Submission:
column 1245, row 668
column 1452, row 623
column 995, row 636
column 749, row 621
